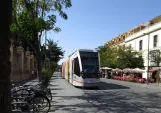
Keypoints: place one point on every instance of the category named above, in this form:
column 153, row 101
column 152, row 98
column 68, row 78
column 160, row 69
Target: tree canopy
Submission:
column 31, row 18
column 120, row 57
column 53, row 51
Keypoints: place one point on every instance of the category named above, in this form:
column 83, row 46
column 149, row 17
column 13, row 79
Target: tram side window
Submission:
column 76, row 67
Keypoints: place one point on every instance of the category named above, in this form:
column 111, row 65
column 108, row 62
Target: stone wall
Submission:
column 22, row 63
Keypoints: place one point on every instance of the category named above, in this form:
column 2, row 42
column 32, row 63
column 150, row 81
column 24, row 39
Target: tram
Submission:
column 82, row 68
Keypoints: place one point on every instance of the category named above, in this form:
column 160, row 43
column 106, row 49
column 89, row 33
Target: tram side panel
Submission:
column 71, row 70
column 77, row 79
column 63, row 70
column 67, row 69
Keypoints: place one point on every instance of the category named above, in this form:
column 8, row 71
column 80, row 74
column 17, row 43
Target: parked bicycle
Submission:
column 35, row 99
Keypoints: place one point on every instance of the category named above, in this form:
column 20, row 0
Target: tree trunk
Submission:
column 38, row 57
column 5, row 67
column 157, row 77
column 39, row 63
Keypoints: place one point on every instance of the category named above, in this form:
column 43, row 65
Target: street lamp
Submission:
column 97, row 49
column 148, row 56
column 46, row 59
column 99, row 58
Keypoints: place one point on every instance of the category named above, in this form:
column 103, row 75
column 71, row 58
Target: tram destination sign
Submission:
column 88, row 54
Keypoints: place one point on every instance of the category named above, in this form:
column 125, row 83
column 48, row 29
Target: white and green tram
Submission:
column 82, row 68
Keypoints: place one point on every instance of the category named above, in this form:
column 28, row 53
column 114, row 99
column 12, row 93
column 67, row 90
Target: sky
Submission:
column 91, row 23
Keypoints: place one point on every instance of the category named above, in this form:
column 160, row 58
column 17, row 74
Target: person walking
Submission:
column 35, row 73
column 32, row 74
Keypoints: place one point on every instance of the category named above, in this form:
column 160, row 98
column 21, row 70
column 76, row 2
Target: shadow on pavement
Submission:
column 105, row 86
column 50, row 85
column 56, row 77
column 108, row 102
column 109, row 98
column 56, row 88
column 111, row 86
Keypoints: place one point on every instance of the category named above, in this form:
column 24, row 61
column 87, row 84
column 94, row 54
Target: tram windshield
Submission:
column 90, row 64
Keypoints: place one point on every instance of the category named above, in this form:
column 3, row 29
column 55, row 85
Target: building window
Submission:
column 140, row 45
column 155, row 41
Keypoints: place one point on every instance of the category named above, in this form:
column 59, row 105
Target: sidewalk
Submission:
column 32, row 82
column 126, row 83
column 28, row 82
column 153, row 85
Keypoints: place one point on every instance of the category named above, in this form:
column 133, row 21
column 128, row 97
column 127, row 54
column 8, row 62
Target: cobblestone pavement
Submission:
column 111, row 97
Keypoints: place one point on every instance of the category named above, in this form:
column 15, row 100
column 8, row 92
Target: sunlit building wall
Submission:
column 142, row 38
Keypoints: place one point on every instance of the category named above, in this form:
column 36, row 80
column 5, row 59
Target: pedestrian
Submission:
column 35, row 73
column 32, row 74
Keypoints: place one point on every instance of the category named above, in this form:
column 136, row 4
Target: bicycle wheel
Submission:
column 46, row 91
column 41, row 104
column 49, row 94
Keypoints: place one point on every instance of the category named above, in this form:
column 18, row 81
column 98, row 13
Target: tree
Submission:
column 121, row 57
column 129, row 58
column 5, row 67
column 32, row 17
column 108, row 56
column 103, row 56
column 54, row 52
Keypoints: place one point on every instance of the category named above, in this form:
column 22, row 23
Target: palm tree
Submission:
column 5, row 68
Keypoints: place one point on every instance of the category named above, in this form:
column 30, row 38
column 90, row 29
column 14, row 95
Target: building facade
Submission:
column 145, row 38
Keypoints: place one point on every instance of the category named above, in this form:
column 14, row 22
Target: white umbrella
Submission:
column 138, row 70
column 126, row 70
column 117, row 70
column 107, row 68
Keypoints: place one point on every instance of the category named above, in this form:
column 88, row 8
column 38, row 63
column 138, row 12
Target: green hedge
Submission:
column 47, row 72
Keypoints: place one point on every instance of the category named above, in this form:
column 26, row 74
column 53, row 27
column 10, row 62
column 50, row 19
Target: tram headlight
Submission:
column 82, row 74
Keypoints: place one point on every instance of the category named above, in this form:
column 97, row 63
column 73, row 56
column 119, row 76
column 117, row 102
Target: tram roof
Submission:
column 85, row 50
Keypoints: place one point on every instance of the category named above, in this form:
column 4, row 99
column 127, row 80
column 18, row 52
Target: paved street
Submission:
column 112, row 97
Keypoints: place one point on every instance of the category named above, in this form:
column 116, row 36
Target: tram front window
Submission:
column 90, row 65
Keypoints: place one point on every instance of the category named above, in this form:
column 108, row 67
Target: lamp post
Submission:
column 98, row 49
column 148, row 56
column 46, row 59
